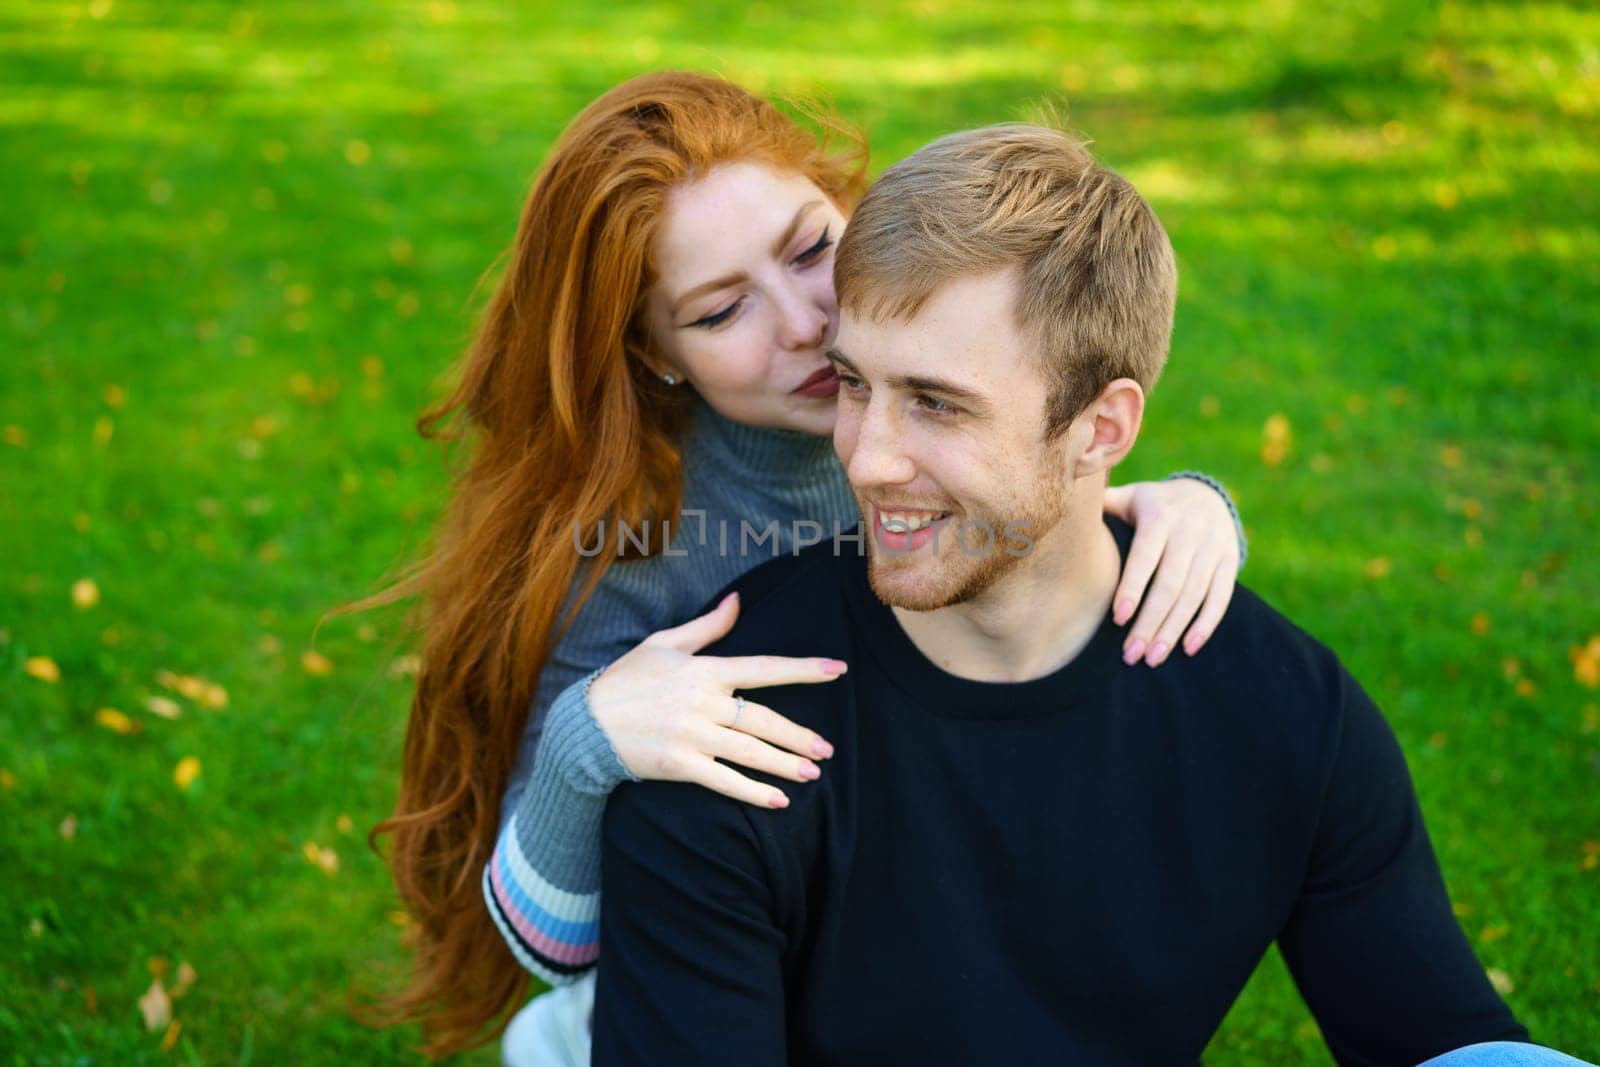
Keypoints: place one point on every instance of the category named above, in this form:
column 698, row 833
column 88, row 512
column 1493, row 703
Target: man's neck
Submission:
column 1037, row 618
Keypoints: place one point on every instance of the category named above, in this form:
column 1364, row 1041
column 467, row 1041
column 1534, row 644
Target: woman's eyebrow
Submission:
column 740, row 276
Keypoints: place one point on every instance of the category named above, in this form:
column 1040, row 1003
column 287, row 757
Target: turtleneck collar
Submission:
column 755, row 453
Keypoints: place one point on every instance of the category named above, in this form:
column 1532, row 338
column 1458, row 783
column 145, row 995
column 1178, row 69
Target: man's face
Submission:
column 941, row 431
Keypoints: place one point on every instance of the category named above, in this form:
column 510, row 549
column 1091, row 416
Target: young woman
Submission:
column 647, row 409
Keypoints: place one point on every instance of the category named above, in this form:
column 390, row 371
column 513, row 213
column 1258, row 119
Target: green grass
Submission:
column 263, row 226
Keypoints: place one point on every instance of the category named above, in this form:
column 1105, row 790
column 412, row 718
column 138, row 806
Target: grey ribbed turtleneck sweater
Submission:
column 542, row 885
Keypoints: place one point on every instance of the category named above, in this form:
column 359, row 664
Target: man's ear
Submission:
column 1111, row 425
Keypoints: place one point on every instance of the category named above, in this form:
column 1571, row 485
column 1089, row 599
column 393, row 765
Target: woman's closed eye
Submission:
column 717, row 318
column 812, row 254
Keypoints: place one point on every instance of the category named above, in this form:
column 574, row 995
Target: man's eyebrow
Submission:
column 920, row 383
column 740, row 276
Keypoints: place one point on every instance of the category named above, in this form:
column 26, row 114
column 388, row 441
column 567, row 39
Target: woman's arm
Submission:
column 661, row 711
column 1188, row 537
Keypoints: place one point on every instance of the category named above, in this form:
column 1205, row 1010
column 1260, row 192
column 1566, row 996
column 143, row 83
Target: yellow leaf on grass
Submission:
column 8, row 781
column 186, row 977
column 170, row 1038
column 69, row 827
column 115, row 396
column 315, row 662
column 43, row 668
column 344, row 824
column 184, row 774
column 213, row 695
column 1586, row 663
column 1501, row 981
column 158, row 705
column 1276, row 437
column 186, row 684
column 85, row 594
column 103, row 429
column 116, row 721
column 325, row 859
column 156, row 1007
column 1379, row 567
column 1480, row 623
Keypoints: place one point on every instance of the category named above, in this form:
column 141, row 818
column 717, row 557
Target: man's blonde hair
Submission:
column 1096, row 276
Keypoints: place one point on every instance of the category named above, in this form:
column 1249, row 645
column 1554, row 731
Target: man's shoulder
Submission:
column 790, row 604
column 1285, row 684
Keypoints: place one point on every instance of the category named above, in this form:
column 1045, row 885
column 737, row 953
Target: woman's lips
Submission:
column 823, row 383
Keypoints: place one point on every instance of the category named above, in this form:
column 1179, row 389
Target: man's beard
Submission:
column 956, row 576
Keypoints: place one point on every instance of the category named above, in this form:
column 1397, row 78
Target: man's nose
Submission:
column 878, row 457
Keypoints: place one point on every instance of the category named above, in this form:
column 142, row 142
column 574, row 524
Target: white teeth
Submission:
column 908, row 521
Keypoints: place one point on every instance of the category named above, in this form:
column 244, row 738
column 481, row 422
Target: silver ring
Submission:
column 738, row 710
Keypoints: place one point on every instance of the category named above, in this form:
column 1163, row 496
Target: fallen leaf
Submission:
column 115, row 396
column 184, row 774
column 90, row 1001
column 8, row 781
column 344, row 824
column 1480, row 623
column 1379, row 567
column 158, row 966
column 116, row 721
column 1526, row 688
column 159, row 705
column 1501, row 981
column 405, row 666
column 315, row 662
column 170, row 1038
column 156, row 1007
column 213, row 695
column 186, row 977
column 1276, row 437
column 326, row 859
column 85, row 594
column 69, row 827
column 1586, row 663
column 103, row 429
column 43, row 668
column 1494, row 932
column 1450, row 455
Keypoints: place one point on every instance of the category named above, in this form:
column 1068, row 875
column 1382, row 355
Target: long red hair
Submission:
column 562, row 422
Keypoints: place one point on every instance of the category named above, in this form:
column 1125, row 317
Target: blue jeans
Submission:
column 1505, row 1054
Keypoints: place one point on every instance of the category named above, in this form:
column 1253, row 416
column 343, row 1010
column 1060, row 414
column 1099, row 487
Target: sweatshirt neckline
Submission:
column 759, row 453
column 1079, row 682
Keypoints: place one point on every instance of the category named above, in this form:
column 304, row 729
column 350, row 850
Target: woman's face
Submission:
column 744, row 309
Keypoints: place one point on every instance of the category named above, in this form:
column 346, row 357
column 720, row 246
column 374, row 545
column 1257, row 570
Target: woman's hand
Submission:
column 671, row 714
column 1183, row 533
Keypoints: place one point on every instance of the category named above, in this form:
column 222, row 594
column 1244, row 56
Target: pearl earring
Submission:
column 670, row 378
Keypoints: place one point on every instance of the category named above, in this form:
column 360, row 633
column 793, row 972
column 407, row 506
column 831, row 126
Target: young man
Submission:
column 1023, row 851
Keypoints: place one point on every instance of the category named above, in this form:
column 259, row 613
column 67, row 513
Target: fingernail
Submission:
column 779, row 801
column 835, row 666
column 821, row 749
column 730, row 596
column 1131, row 654
column 1191, row 645
column 1158, row 654
column 810, row 771
column 1124, row 609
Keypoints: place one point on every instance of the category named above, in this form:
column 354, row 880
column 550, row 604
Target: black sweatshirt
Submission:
column 1084, row 868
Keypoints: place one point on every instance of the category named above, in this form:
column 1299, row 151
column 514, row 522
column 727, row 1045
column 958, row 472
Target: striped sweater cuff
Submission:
column 552, row 932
